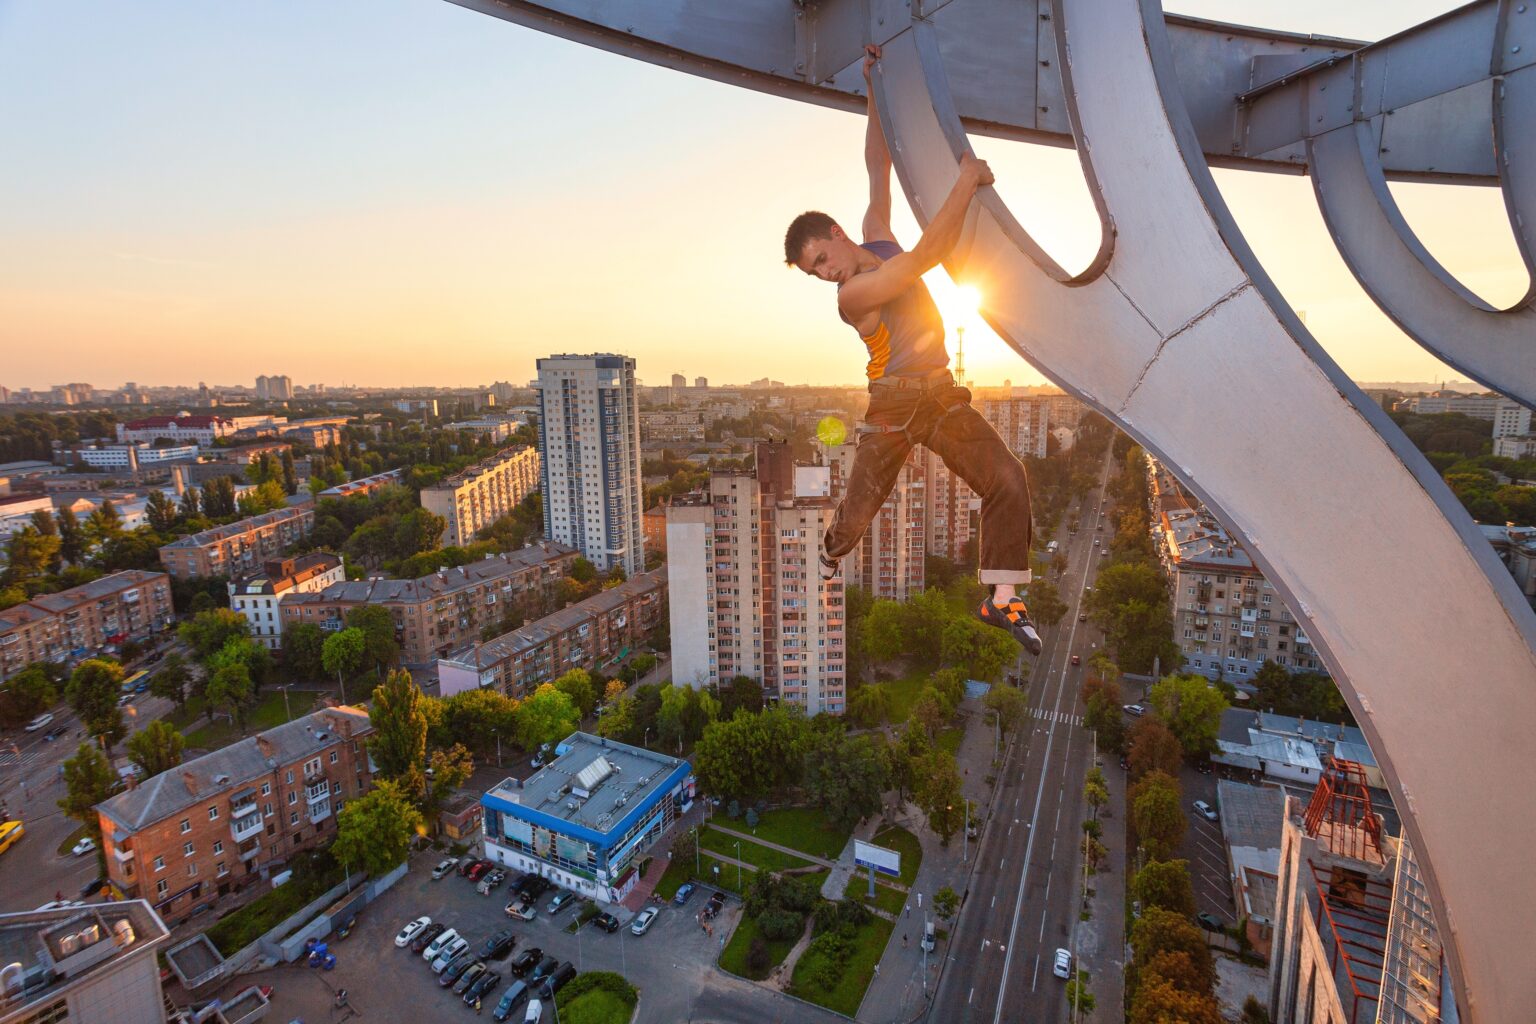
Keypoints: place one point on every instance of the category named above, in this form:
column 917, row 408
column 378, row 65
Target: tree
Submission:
column 1159, row 1001
column 477, row 718
column 1254, row 1012
column 1008, row 704
column 1046, row 607
column 1078, row 996
column 344, row 653
column 157, row 748
column 92, row 691
column 449, row 769
column 26, row 695
column 870, row 705
column 1191, row 708
column 29, row 555
column 377, row 626
column 844, row 776
column 160, row 511
column 618, row 720
column 547, row 716
column 1153, row 749
column 399, row 741
column 229, row 689
column 750, row 755
column 1104, row 717
column 945, row 902
column 303, row 651
column 207, row 632
column 218, row 498
column 983, row 650
column 104, row 523
column 741, row 692
column 73, row 545
column 290, row 477
column 938, row 793
column 191, row 505
column 88, row 780
column 374, row 831
column 577, row 685
column 1160, row 931
column 1165, row 885
column 1095, row 790
column 1156, row 814
column 928, row 711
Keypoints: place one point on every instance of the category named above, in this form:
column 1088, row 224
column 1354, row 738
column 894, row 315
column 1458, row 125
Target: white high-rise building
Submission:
column 589, row 446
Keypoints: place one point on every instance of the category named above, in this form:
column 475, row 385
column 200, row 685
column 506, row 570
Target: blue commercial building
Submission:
column 585, row 819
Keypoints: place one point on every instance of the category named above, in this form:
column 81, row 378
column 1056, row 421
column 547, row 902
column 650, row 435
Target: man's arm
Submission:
column 877, row 161
column 867, row 292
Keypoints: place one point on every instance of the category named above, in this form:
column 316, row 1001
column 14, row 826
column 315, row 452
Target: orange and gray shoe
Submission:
column 1014, row 617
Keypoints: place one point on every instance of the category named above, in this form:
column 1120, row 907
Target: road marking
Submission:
column 1032, row 981
column 971, row 996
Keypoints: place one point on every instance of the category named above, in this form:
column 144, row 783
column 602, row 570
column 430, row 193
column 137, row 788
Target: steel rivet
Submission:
column 1520, row 9
column 1514, row 49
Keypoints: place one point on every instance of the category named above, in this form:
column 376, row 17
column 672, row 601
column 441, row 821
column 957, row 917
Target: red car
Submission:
column 1076, row 660
column 479, row 869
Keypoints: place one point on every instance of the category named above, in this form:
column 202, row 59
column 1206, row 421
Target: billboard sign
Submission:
column 868, row 855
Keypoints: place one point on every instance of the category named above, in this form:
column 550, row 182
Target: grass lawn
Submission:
column 949, row 739
column 904, row 692
column 240, row 928
column 602, row 998
column 752, row 853
column 734, row 956
column 904, row 842
column 800, row 828
column 681, row 870
column 264, row 714
column 887, row 899
column 852, row 978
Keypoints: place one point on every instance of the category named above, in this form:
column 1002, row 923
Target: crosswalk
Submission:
column 1056, row 716
column 10, row 761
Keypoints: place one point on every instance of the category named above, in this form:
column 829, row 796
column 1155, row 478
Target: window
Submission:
column 222, row 869
column 289, row 777
column 186, row 826
column 266, row 789
column 218, row 847
column 159, row 863
column 191, row 870
column 213, row 814
column 266, row 810
column 293, row 817
column 334, row 757
column 293, row 797
column 162, row 887
column 187, row 849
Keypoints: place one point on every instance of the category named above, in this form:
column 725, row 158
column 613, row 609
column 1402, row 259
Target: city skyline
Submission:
column 316, row 205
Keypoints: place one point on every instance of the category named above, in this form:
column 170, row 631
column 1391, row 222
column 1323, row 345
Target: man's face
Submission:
column 832, row 259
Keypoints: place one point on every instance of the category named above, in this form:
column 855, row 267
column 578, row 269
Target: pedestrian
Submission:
column 903, row 940
column 909, row 910
column 477, row 1005
column 877, row 970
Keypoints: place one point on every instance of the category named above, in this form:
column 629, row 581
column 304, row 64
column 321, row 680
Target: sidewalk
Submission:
column 898, row 993
column 1100, row 940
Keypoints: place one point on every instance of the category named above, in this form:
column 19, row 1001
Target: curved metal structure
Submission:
column 1177, row 334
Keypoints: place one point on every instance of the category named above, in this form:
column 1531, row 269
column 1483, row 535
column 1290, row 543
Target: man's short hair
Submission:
column 810, row 224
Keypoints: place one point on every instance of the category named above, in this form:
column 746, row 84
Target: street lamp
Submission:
column 738, row 865
column 497, row 734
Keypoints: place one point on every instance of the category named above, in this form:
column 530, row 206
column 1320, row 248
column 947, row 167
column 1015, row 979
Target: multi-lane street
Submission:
column 1023, row 899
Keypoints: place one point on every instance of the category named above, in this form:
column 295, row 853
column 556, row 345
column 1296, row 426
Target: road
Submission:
column 1023, row 898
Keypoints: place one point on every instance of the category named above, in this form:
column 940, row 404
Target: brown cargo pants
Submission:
column 936, row 413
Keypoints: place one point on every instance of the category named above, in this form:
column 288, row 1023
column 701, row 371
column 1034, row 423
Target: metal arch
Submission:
column 1495, row 347
column 1184, row 341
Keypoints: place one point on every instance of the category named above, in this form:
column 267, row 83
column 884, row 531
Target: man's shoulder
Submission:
column 885, row 248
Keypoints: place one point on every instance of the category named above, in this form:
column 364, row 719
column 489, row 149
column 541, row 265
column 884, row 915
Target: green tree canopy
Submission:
column 303, row 651
column 207, row 632
column 374, row 831
column 344, row 653
column 157, row 748
column 870, row 705
column 378, row 628
column 1157, row 814
column 939, row 795
column 399, row 741
column 844, row 776
column 577, row 684
column 477, row 717
column 1165, row 885
column 230, row 690
column 1009, row 705
column 26, row 695
column 750, row 755
column 92, row 691
column 1191, row 708
column 1153, row 749
column 88, row 780
column 546, row 717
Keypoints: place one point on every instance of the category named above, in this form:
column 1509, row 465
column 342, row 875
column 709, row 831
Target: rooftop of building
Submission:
column 242, row 526
column 1510, row 535
column 276, row 577
column 184, row 421
column 1250, row 815
column 363, row 484
column 53, row 604
column 1194, row 536
column 438, row 584
column 591, row 781
column 55, row 949
column 228, row 769
column 480, row 468
column 526, row 638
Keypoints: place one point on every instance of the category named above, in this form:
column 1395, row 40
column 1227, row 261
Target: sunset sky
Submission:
column 404, row 192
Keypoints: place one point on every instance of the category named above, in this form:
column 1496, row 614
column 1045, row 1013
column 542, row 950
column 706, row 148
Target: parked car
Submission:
column 1210, row 922
column 535, row 1012
column 412, row 931
column 83, row 847
column 477, row 870
column 683, row 892
column 544, row 968
column 1082, row 616
column 469, row 864
column 559, row 901
column 556, row 981
column 39, row 722
column 426, row 935
column 607, row 922
column 499, row 944
column 438, row 944
column 522, row 910
column 55, row 733
column 482, row 987
column 445, row 957
column 537, row 886
column 1134, row 709
column 1205, row 810
column 642, row 923
column 1062, row 966
column 715, row 905
column 525, row 961
column 511, row 999
column 443, row 867
column 467, row 977
column 456, row 970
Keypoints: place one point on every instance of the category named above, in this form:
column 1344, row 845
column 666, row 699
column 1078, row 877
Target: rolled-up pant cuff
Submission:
column 1017, row 577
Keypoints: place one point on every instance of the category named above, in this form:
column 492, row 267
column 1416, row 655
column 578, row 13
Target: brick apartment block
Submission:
column 77, row 623
column 474, row 498
column 215, row 824
column 239, row 548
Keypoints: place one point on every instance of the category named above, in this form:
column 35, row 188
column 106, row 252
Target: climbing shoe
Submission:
column 1013, row 617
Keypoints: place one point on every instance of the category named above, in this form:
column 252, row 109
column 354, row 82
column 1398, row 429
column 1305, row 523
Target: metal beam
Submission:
column 1179, row 336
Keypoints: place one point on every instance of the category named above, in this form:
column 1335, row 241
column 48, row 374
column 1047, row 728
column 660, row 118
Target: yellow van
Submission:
column 10, row 831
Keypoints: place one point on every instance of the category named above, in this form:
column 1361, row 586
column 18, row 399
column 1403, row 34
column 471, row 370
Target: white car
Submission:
column 1134, row 709
column 449, row 953
column 438, row 944
column 83, row 847
column 1062, row 967
column 1205, row 810
column 411, row 930
column 535, row 1012
column 443, row 867
column 39, row 722
column 643, row 922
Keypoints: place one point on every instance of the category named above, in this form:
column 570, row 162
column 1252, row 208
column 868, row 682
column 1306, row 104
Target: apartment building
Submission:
column 224, row 820
column 1227, row 618
column 129, row 456
column 1355, row 939
column 239, row 548
column 744, row 593
column 1509, row 418
column 183, row 429
column 888, row 560
column 259, row 596
column 476, row 497
column 94, row 964
column 589, row 447
column 1022, row 421
column 591, row 634
column 83, row 621
column 441, row 612
column 494, row 429
column 953, row 513
column 364, row 485
column 671, row 426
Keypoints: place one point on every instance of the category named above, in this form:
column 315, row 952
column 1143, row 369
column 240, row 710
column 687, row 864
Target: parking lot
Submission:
column 672, row 964
column 1202, row 847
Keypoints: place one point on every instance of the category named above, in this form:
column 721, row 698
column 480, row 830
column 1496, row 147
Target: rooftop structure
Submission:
column 87, row 965
column 365, row 485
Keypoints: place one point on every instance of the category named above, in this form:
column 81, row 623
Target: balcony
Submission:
column 245, row 826
column 250, row 852
column 319, row 812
